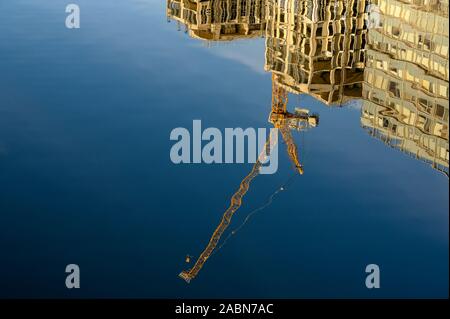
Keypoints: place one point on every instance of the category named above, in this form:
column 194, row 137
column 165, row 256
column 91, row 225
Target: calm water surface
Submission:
column 86, row 177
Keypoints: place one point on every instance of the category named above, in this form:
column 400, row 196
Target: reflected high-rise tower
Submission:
column 406, row 78
column 312, row 46
column 317, row 47
column 219, row 20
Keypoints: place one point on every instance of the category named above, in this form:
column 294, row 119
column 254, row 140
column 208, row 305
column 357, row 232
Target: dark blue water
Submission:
column 86, row 178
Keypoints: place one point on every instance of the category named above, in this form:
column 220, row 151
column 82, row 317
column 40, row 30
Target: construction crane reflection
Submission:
column 284, row 122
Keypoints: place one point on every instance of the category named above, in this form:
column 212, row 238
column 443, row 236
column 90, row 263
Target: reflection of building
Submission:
column 317, row 47
column 219, row 20
column 406, row 79
column 394, row 57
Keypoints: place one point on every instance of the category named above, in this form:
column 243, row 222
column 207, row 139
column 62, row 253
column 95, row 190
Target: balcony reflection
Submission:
column 405, row 89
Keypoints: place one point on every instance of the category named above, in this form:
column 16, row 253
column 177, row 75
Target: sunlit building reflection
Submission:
column 405, row 90
column 389, row 57
column 317, row 47
column 219, row 20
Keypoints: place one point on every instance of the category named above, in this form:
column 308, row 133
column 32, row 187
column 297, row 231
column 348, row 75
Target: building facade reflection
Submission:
column 317, row 47
column 389, row 55
column 219, row 20
column 405, row 90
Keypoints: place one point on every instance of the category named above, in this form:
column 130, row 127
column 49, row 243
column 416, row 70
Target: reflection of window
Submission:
column 423, row 102
column 395, row 31
column 243, row 8
column 393, row 88
column 352, row 41
column 376, row 99
column 427, row 43
column 380, row 64
column 174, row 5
column 308, row 29
column 394, row 128
column 319, row 31
column 421, row 121
column 233, row 10
column 427, row 125
column 440, row 111
column 394, row 70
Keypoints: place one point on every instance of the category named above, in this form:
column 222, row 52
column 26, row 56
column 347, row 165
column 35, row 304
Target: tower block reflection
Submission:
column 405, row 91
column 317, row 47
column 219, row 20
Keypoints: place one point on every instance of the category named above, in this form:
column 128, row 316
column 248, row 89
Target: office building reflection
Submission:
column 219, row 20
column 391, row 56
column 405, row 90
column 317, row 47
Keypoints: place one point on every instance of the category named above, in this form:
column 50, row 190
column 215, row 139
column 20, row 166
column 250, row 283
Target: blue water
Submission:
column 86, row 178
